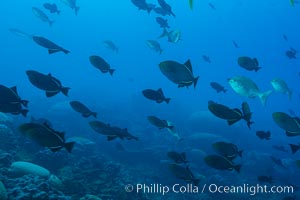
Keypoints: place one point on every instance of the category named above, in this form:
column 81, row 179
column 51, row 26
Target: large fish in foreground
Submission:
column 72, row 4
column 180, row 74
column 51, row 46
column 291, row 125
column 46, row 136
column 246, row 87
column 48, row 83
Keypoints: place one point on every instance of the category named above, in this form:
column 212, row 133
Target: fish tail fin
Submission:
column 195, row 81
column 58, row 12
column 69, row 146
column 258, row 68
column 164, row 33
column 237, row 168
column 65, row 51
column 51, row 51
column 249, row 124
column 167, row 100
column 24, row 103
column 24, row 112
column 65, row 90
column 149, row 10
column 111, row 71
column 263, row 96
column 240, row 153
column 76, row 10
column 294, row 148
column 94, row 114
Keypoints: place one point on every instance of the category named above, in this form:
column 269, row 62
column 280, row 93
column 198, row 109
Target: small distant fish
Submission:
column 265, row 179
column 221, row 163
column 235, row 44
column 206, row 58
column 280, row 148
column 173, row 36
column 264, row 135
column 160, row 11
column 156, row 95
column 250, row 64
column 183, row 173
column 111, row 45
column 101, row 64
column 295, row 148
column 41, row 15
column 51, row 7
column 278, row 162
column 72, row 4
column 212, row 6
column 163, row 4
column 162, row 22
column 154, row 45
column 218, row 87
column 155, row 121
column 48, row 83
column 285, row 38
column 246, row 87
column 227, row 149
column 291, row 54
column 52, row 47
column 11, row 102
column 81, row 108
column 178, row 158
column 19, row 32
column 281, row 86
column 46, row 136
column 247, row 114
column 142, row 5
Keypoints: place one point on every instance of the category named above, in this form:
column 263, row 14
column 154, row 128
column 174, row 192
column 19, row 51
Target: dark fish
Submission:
column 277, row 161
column 142, row 5
column 159, row 123
column 180, row 74
column 156, row 95
column 235, row 44
column 291, row 54
column 162, row 22
column 48, row 83
column 265, row 179
column 294, row 197
column 285, row 37
column 81, row 108
column 177, row 157
column 248, row 63
column 217, row 87
column 295, row 148
column 280, row 148
column 51, row 7
column 11, row 102
column 221, row 163
column 226, row 149
column 160, row 11
column 247, row 114
column 206, row 58
column 110, row 131
column 46, row 136
column 101, row 64
column 263, row 135
column 230, row 115
column 52, row 47
column 166, row 7
column 212, row 6
column 72, row 4
column 291, row 125
column 41, row 15
column 183, row 173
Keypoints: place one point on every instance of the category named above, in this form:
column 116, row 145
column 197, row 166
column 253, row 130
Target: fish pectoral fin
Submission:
column 55, row 149
column 292, row 134
column 51, row 94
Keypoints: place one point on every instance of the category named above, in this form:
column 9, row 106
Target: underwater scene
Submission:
column 150, row 100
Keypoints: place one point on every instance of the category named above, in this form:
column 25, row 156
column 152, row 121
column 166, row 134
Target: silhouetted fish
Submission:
column 81, row 108
column 52, row 47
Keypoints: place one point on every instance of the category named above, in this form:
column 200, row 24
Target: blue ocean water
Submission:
column 103, row 168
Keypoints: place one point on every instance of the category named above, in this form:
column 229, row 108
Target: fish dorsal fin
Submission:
column 125, row 129
column 50, row 75
column 160, row 91
column 189, row 65
column 14, row 89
